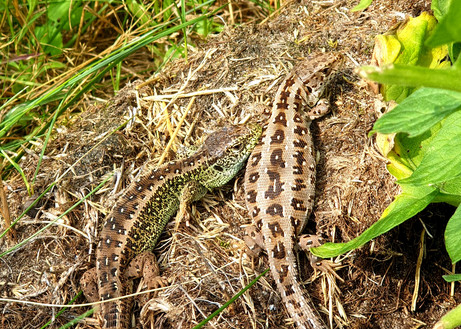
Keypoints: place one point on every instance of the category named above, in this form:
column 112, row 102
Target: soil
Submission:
column 205, row 262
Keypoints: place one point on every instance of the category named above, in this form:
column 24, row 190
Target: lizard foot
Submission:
column 89, row 284
column 145, row 265
column 307, row 241
column 153, row 283
column 254, row 241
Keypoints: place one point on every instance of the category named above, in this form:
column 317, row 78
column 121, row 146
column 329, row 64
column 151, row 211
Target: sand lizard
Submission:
column 280, row 179
column 139, row 217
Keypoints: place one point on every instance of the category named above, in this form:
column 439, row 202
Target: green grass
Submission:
column 46, row 68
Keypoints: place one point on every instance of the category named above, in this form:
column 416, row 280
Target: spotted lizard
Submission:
column 136, row 222
column 280, row 179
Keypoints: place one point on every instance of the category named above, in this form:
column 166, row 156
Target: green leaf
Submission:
column 58, row 11
column 448, row 30
column 407, row 152
column 29, row 188
column 50, row 39
column 454, row 50
column 419, row 112
column 404, row 44
column 452, row 277
column 452, row 236
column 416, row 76
column 450, row 320
column 362, row 5
column 442, row 160
column 452, row 186
column 405, row 205
column 440, row 8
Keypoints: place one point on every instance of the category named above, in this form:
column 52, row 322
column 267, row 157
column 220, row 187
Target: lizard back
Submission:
column 280, row 180
column 139, row 217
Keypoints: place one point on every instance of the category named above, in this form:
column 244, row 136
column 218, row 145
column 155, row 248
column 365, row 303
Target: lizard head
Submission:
column 317, row 73
column 228, row 149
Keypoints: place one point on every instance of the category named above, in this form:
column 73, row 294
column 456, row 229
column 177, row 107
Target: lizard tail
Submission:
column 113, row 317
column 298, row 302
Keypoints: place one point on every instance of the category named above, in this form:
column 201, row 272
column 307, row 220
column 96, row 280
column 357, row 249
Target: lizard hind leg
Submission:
column 145, row 265
column 307, row 241
column 89, row 284
column 254, row 241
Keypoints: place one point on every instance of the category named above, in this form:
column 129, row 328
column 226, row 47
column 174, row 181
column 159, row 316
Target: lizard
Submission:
column 138, row 218
column 280, row 179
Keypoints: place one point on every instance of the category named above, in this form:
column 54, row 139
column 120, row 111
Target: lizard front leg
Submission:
column 191, row 192
column 143, row 265
column 254, row 241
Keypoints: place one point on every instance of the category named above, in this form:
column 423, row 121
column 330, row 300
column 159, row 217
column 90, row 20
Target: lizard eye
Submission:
column 237, row 147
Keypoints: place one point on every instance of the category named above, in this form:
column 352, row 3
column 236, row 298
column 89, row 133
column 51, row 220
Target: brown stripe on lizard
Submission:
column 139, row 217
column 280, row 179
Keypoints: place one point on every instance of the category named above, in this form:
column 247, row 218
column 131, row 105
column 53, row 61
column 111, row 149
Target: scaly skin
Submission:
column 280, row 179
column 139, row 217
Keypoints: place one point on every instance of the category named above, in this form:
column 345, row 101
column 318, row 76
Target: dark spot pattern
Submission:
column 275, row 209
column 299, row 143
column 283, row 271
column 276, row 229
column 297, row 118
column 300, row 130
column 279, row 251
column 275, row 187
column 289, row 290
column 108, row 241
column 281, row 118
column 289, row 81
column 299, row 185
column 300, row 159
column 255, row 158
column 278, row 137
column 298, row 106
column 298, row 204
column 277, row 158
column 251, row 196
column 282, row 105
column 253, row 178
column 298, row 170
column 295, row 223
column 104, row 277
